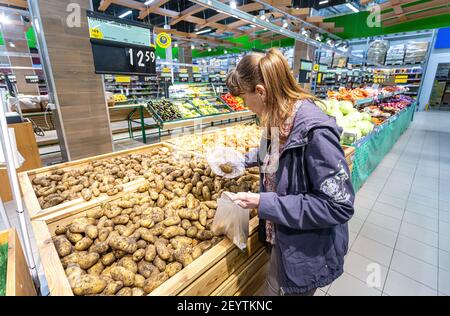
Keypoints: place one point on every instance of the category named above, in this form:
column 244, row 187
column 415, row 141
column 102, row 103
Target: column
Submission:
column 302, row 51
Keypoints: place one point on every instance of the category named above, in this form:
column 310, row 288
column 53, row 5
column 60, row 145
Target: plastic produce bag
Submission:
column 222, row 158
column 231, row 220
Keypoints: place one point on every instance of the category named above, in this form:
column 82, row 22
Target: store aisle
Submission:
column 401, row 227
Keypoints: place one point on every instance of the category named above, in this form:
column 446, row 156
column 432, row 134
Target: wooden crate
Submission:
column 222, row 264
column 349, row 153
column 18, row 278
column 31, row 201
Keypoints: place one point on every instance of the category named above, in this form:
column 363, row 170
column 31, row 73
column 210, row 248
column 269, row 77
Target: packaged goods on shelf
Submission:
column 415, row 52
column 239, row 137
column 377, row 51
column 395, row 54
column 178, row 91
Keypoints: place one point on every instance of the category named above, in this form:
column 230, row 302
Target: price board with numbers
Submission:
column 121, row 47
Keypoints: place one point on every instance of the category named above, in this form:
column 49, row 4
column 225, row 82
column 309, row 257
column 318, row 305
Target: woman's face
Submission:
column 255, row 100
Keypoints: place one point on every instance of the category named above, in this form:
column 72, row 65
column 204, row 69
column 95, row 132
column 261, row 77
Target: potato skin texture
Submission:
column 123, row 275
column 62, row 245
column 87, row 284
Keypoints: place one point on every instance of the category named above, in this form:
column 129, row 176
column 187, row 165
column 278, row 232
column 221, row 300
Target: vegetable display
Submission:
column 236, row 103
column 186, row 109
column 204, row 107
column 166, row 110
column 130, row 246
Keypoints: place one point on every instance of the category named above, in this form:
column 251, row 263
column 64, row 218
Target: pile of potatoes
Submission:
column 239, row 137
column 98, row 177
column 131, row 245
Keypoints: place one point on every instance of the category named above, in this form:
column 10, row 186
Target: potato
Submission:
column 158, row 229
column 146, row 269
column 171, row 221
column 226, row 168
column 83, row 244
column 62, row 245
column 150, row 253
column 60, row 230
column 206, row 193
column 103, row 233
column 52, row 202
column 183, row 256
column 159, row 263
column 87, row 284
column 123, row 243
column 126, row 291
column 74, row 238
column 108, row 259
column 196, row 252
column 139, row 280
column 180, row 241
column 121, row 220
column 154, row 281
column 95, row 192
column 96, row 269
column 211, row 213
column 79, row 225
column 156, row 214
column 113, row 287
column 173, row 231
column 148, row 236
column 202, row 217
column 88, row 260
column 122, row 274
column 146, row 222
column 173, row 268
column 211, row 204
column 119, row 254
column 161, row 249
column 192, row 232
column 71, row 259
column 190, row 201
column 159, row 186
column 204, row 234
column 142, row 244
column 185, row 224
column 187, row 188
column 86, row 194
column 136, row 291
column 138, row 255
column 128, row 263
column 113, row 212
column 190, row 214
column 161, row 201
column 144, row 187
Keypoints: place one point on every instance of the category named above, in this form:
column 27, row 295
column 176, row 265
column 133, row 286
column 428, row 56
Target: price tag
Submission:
column 123, row 79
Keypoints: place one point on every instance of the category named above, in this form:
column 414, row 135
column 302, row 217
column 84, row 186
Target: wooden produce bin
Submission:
column 18, row 278
column 30, row 198
column 222, row 270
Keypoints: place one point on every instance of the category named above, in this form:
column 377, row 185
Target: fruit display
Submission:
column 186, row 109
column 97, row 178
column 132, row 245
column 350, row 94
column 120, row 98
column 236, row 103
column 204, row 106
column 240, row 137
column 219, row 105
column 166, row 110
column 178, row 91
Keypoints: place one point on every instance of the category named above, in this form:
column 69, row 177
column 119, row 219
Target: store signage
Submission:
column 106, row 27
column 121, row 47
column 32, row 79
column 183, row 70
column 316, row 67
column 163, row 40
column 181, row 75
column 323, row 68
column 195, row 69
column 166, row 74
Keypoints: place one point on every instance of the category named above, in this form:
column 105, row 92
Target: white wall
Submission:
column 437, row 56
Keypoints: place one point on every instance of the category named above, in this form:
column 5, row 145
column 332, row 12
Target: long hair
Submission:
column 273, row 72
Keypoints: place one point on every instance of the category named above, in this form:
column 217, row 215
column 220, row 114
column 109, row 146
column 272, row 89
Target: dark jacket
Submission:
column 313, row 202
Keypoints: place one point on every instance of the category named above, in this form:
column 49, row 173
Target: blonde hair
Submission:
column 273, row 72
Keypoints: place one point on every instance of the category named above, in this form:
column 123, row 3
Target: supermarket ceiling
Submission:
column 191, row 21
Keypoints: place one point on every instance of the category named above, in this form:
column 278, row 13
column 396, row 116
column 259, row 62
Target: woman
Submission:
column 306, row 194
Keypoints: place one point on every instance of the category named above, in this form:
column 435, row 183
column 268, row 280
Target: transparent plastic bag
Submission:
column 231, row 220
column 230, row 157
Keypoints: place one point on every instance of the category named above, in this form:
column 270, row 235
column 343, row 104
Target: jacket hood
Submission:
column 308, row 117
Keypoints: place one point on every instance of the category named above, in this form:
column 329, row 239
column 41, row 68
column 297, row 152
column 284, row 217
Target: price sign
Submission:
column 32, row 79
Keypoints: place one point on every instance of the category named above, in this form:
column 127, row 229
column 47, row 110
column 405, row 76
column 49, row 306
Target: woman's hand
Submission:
column 246, row 200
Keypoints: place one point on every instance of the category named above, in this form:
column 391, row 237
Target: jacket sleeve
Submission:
column 331, row 197
column 251, row 158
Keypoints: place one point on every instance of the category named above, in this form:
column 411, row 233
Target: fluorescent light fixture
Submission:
column 148, row 2
column 306, row 33
column 233, row 4
column 262, row 15
column 285, row 24
column 175, row 45
column 318, row 37
column 352, row 7
column 252, row 25
column 192, row 46
column 125, row 14
column 323, row 2
column 203, row 31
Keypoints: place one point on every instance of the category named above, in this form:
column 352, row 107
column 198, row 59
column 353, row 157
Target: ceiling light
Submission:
column 209, row 49
column 4, row 19
column 330, row 42
column 352, row 7
column 125, row 14
column 285, row 24
column 203, row 31
column 262, row 14
column 305, row 32
column 318, row 37
column 252, row 25
column 148, row 2
column 192, row 46
column 225, row 51
column 233, row 4
column 175, row 45
column 323, row 2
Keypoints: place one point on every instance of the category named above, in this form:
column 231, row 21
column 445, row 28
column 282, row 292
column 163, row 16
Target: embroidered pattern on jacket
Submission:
column 334, row 187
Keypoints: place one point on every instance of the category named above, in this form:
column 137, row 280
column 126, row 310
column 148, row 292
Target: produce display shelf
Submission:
column 18, row 278
column 370, row 150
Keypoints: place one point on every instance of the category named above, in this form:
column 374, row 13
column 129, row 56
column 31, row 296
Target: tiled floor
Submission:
column 400, row 233
column 402, row 218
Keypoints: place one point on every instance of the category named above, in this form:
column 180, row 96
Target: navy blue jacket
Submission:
column 313, row 202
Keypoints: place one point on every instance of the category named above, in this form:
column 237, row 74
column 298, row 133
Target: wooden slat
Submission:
column 104, row 5
column 389, row 5
column 16, row 3
column 254, row 283
column 195, row 20
column 153, row 6
column 314, row 19
column 419, row 15
column 18, row 278
column 327, row 25
column 167, row 12
column 130, row 4
column 189, row 11
column 399, row 11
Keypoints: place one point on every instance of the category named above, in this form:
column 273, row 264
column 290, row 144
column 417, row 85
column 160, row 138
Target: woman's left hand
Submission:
column 246, row 200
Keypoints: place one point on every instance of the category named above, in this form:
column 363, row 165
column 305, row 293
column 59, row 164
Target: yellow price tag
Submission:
column 183, row 70
column 316, row 67
column 95, row 33
column 166, row 69
column 195, row 69
column 123, row 79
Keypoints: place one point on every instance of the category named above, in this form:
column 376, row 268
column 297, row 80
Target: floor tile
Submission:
column 348, row 285
column 388, row 210
column 351, row 238
column 417, row 250
column 415, row 269
column 421, row 221
column 366, row 270
column 444, row 260
column 418, row 233
column 444, row 243
column 400, row 285
column 392, row 200
column 319, row 292
column 444, row 217
column 424, row 201
column 361, row 212
column 384, row 221
column 444, row 207
column 379, row 234
column 355, row 224
column 363, row 201
column 422, row 210
column 373, row 250
column 444, row 282
column 444, row 228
